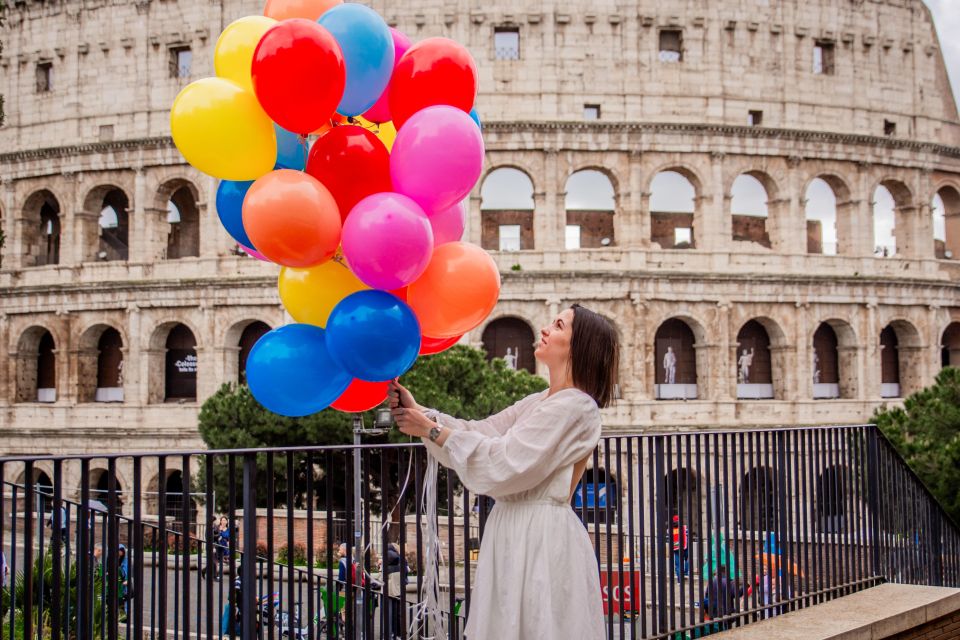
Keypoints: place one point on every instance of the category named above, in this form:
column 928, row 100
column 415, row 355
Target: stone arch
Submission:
column 100, row 362
column 833, row 489
column 513, row 333
column 758, row 500
column 252, row 332
column 827, row 197
column 753, row 361
column 950, row 346
column 675, row 192
column 99, row 483
column 507, row 209
column 163, row 363
column 753, row 207
column 42, row 481
column 685, row 499
column 945, row 210
column 590, row 204
column 41, row 229
column 834, row 356
column 36, row 365
column 892, row 204
column 110, row 205
column 174, row 488
column 677, row 359
column 901, row 359
column 179, row 199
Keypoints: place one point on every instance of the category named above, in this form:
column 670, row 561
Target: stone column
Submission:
column 74, row 224
column 9, row 256
column 871, row 375
column 726, row 381
column 137, row 222
column 634, row 228
column 785, row 368
column 208, row 372
column 933, row 359
column 213, row 236
column 6, row 373
column 550, row 220
column 712, row 217
column 640, row 386
column 788, row 234
column 804, row 341
column 86, row 242
column 154, row 234
column 134, row 359
column 473, row 223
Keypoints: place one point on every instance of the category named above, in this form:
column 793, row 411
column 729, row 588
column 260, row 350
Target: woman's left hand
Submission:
column 412, row 422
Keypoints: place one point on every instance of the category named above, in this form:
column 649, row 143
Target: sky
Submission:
column 946, row 16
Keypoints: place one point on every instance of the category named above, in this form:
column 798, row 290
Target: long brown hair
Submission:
column 594, row 355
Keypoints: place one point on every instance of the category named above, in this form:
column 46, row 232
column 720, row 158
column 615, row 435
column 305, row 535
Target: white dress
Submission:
column 537, row 575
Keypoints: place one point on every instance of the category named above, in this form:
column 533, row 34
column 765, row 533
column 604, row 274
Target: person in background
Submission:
column 681, row 562
column 721, row 598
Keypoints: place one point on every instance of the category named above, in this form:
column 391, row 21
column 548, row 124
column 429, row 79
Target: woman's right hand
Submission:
column 400, row 397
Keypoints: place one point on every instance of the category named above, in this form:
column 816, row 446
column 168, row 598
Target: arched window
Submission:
column 177, row 495
column 511, row 339
column 884, row 223
column 181, row 365
column 676, row 361
column 758, row 500
column 248, row 338
column 889, row 364
column 596, row 494
column 672, row 207
column 950, row 351
column 590, row 206
column 109, row 367
column 184, row 238
column 821, row 216
column 40, row 230
column 831, row 500
column 946, row 223
column 506, row 210
column 100, row 488
column 753, row 363
column 748, row 209
column 114, row 227
column 826, row 363
column 46, row 369
column 43, row 487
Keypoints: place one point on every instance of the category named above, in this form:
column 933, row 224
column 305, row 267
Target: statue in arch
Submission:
column 816, row 367
column 511, row 358
column 744, row 364
column 670, row 366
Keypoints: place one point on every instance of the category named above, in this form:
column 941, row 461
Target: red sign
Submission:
column 620, row 593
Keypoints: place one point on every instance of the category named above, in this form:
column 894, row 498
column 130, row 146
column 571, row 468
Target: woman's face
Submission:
column 554, row 346
column 223, row 522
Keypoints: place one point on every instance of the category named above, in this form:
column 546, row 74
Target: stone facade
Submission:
column 852, row 93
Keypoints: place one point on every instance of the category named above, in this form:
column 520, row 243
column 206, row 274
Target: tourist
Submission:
column 537, row 573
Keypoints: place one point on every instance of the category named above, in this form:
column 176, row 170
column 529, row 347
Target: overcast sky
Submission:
column 946, row 14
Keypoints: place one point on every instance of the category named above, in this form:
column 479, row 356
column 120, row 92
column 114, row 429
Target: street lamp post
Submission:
column 382, row 423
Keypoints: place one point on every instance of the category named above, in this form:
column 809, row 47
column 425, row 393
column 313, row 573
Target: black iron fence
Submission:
column 694, row 532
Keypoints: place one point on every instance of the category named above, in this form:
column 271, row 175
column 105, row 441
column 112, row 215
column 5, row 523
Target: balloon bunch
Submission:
column 366, row 222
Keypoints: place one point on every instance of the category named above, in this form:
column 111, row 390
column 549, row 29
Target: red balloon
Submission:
column 430, row 346
column 298, row 75
column 400, row 293
column 352, row 163
column 361, row 396
column 434, row 71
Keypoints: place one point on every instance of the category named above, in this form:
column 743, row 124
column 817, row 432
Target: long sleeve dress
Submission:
column 537, row 575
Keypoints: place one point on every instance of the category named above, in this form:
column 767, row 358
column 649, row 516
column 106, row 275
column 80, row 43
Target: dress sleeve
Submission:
column 559, row 432
column 495, row 425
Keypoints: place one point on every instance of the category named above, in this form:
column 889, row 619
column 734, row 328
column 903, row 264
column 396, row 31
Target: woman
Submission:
column 537, row 574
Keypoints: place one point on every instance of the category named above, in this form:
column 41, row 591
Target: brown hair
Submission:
column 594, row 355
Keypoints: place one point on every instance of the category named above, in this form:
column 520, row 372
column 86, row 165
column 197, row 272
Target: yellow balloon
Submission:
column 221, row 130
column 384, row 131
column 233, row 55
column 310, row 294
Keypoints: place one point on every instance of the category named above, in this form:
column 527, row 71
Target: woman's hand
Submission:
column 412, row 421
column 400, row 397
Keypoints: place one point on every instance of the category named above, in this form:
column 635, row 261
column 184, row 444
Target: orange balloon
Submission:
column 309, row 9
column 292, row 219
column 457, row 291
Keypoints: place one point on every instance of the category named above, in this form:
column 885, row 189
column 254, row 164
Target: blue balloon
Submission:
column 368, row 52
column 230, row 196
column 291, row 150
column 290, row 371
column 374, row 335
column 476, row 118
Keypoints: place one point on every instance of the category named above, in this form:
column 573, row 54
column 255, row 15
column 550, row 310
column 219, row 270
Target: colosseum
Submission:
column 765, row 197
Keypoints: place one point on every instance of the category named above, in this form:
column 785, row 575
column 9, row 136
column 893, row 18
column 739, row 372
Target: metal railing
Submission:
column 694, row 532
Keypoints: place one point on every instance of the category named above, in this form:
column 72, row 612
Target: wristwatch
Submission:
column 434, row 432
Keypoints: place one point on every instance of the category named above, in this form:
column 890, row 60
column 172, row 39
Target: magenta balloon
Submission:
column 380, row 111
column 253, row 253
column 387, row 240
column 448, row 224
column 437, row 157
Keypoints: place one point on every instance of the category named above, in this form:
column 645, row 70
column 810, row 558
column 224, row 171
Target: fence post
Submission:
column 248, row 559
column 660, row 535
column 873, row 495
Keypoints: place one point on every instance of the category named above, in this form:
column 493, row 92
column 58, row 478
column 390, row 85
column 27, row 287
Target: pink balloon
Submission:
column 254, row 254
column 387, row 240
column 380, row 111
column 448, row 224
column 437, row 157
